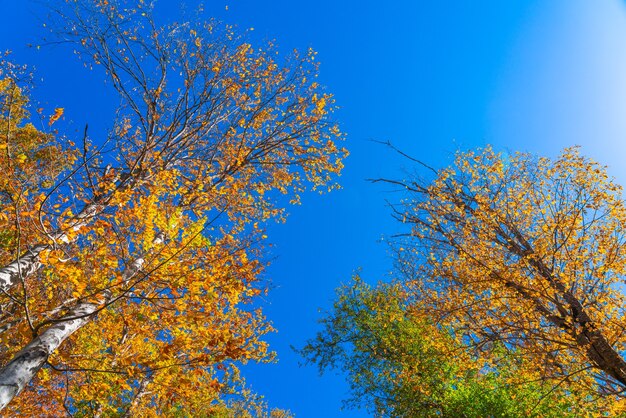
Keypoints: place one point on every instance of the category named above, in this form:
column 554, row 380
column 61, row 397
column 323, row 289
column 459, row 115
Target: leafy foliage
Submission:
column 527, row 253
column 400, row 364
column 130, row 266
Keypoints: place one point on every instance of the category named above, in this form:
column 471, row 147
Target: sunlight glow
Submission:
column 565, row 83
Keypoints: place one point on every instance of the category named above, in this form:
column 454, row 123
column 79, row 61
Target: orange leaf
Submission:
column 58, row 112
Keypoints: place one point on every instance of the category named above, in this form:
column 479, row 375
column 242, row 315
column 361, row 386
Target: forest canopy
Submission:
column 509, row 276
column 135, row 242
column 129, row 266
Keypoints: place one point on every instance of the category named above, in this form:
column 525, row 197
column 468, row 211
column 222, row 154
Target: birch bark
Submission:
column 28, row 262
column 27, row 362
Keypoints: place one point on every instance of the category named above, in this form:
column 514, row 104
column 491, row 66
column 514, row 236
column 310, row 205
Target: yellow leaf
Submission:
column 58, row 112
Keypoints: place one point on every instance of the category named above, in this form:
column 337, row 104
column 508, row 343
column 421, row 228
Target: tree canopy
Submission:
column 511, row 275
column 129, row 266
column 399, row 363
column 132, row 261
column 527, row 251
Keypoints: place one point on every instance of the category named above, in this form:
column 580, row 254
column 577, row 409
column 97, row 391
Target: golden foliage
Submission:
column 159, row 227
column 528, row 252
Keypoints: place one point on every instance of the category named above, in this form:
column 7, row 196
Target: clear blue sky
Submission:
column 432, row 77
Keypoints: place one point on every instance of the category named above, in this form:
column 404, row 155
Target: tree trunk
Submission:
column 25, row 265
column 28, row 263
column 26, row 363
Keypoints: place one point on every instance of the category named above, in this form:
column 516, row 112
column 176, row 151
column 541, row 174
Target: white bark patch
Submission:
column 28, row 263
column 25, row 364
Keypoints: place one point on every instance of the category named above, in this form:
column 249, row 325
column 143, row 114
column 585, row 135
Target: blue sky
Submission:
column 430, row 76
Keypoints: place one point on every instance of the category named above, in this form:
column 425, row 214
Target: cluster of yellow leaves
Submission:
column 200, row 157
column 58, row 112
column 526, row 251
column 29, row 161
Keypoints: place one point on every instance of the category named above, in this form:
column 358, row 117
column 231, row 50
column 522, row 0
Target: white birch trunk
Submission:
column 25, row 265
column 28, row 263
column 26, row 363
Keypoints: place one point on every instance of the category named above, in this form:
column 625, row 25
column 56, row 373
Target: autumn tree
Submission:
column 400, row 364
column 528, row 253
column 129, row 263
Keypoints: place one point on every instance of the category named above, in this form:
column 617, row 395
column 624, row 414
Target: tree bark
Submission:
column 27, row 362
column 25, row 265
column 28, row 262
